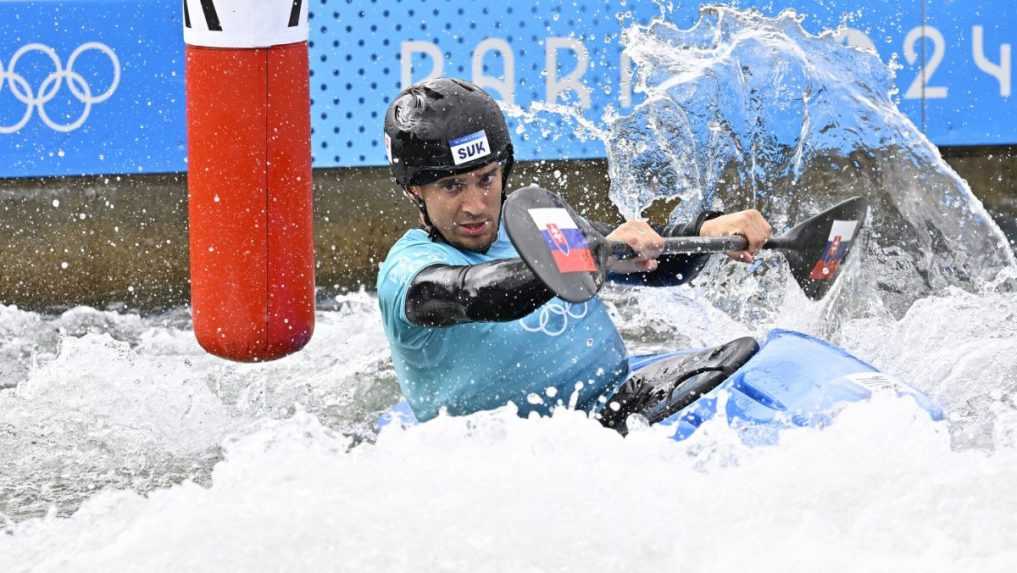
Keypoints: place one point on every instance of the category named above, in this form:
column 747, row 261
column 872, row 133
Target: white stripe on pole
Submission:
column 245, row 23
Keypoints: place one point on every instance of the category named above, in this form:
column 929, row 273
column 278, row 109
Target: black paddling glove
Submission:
column 504, row 290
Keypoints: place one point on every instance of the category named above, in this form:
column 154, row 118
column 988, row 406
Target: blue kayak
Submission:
column 790, row 380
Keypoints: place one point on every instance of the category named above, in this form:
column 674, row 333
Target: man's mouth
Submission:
column 475, row 228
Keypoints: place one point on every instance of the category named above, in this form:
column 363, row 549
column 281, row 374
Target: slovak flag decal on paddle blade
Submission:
column 564, row 240
column 836, row 247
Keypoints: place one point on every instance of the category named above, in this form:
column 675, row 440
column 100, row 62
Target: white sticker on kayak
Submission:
column 469, row 147
column 877, row 381
column 843, row 229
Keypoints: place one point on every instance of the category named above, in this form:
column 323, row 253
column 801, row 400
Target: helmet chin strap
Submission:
column 425, row 219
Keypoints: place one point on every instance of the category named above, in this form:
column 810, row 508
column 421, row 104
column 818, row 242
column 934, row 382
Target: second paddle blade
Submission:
column 817, row 249
column 557, row 244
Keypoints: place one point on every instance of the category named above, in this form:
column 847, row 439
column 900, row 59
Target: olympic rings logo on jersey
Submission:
column 48, row 89
column 548, row 324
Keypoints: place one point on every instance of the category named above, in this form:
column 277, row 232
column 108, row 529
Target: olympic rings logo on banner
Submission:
column 548, row 311
column 79, row 88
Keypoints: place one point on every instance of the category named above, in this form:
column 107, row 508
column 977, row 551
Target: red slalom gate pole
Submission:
column 249, row 177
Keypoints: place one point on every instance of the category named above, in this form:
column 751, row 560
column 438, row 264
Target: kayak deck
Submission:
column 794, row 380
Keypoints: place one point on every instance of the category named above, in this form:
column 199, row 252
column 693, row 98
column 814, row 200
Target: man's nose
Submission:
column 474, row 199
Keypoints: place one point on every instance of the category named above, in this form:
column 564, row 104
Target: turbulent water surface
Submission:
column 124, row 446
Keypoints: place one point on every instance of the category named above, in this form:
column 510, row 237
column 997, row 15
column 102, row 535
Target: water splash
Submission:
column 744, row 111
column 647, row 505
column 99, row 399
column 188, row 448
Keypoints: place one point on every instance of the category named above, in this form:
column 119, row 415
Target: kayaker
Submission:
column 470, row 326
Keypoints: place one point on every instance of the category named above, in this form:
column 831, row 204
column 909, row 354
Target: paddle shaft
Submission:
column 692, row 245
column 534, row 218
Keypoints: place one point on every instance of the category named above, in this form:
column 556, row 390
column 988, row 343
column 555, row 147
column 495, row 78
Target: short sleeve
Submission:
column 404, row 261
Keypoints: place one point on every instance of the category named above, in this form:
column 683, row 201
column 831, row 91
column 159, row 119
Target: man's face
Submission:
column 465, row 208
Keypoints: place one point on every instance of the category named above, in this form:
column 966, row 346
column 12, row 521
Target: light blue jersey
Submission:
column 559, row 353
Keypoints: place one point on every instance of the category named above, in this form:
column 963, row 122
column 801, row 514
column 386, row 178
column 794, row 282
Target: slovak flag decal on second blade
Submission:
column 836, row 247
column 566, row 242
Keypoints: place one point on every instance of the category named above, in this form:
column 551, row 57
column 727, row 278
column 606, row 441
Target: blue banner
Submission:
column 91, row 87
column 97, row 86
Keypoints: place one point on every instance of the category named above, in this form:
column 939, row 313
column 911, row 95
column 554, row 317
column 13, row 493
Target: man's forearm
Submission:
column 496, row 291
column 672, row 270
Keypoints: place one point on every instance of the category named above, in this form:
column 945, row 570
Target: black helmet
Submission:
column 442, row 127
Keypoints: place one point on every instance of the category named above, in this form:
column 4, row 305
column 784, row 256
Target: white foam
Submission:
column 497, row 493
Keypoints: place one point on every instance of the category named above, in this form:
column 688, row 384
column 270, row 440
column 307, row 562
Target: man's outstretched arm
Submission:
column 500, row 291
column 496, row 291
